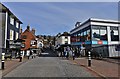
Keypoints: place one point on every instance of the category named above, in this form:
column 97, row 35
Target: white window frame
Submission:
column 16, row 35
column 12, row 20
column 11, row 34
column 33, row 42
column 17, row 24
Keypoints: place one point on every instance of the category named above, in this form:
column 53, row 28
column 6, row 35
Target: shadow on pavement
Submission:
column 48, row 53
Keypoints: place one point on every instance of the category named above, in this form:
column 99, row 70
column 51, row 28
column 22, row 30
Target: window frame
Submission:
column 12, row 20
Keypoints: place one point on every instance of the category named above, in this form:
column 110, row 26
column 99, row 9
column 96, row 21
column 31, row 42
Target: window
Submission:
column 66, row 37
column 17, row 25
column 99, row 33
column 33, row 42
column 24, row 37
column 88, row 35
column 85, row 35
column 79, row 37
column 11, row 34
column 11, row 20
column 95, row 34
column 82, row 36
column 103, row 34
column 72, row 38
column 16, row 35
column 66, row 42
column 114, row 34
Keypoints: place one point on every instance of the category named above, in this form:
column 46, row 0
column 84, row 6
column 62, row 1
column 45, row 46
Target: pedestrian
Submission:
column 28, row 53
column 67, row 52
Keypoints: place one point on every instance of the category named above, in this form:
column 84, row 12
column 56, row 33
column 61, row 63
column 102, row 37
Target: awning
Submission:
column 19, row 40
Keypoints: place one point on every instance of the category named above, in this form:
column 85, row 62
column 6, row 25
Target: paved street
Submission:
column 49, row 67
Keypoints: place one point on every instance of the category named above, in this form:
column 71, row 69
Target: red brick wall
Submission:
column 29, row 37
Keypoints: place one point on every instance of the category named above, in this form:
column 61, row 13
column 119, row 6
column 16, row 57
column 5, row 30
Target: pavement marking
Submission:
column 44, row 53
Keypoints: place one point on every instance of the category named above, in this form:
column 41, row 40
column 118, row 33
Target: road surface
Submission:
column 48, row 65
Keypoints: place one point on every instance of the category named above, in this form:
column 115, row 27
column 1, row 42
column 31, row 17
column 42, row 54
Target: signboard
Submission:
column 99, row 42
column 12, row 44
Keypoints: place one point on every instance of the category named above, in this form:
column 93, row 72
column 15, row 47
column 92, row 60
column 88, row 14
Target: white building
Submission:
column 62, row 40
column 100, row 35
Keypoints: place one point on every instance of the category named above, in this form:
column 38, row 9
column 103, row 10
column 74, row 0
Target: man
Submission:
column 28, row 53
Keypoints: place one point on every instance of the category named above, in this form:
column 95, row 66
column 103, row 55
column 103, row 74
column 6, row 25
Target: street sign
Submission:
column 12, row 44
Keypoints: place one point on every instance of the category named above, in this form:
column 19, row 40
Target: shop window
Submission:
column 99, row 33
column 85, row 35
column 88, row 35
column 95, row 34
column 75, row 37
column 103, row 34
column 114, row 34
column 82, row 36
column 78, row 37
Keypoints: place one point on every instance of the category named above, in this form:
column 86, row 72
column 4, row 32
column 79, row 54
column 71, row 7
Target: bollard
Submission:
column 3, row 60
column 20, row 59
column 89, row 59
column 28, row 57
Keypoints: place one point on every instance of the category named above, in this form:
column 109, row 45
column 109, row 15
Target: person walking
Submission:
column 28, row 53
column 67, row 52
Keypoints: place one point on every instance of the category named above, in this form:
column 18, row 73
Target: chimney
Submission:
column 77, row 24
column 28, row 27
column 33, row 31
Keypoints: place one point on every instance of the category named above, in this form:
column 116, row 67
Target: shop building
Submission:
column 100, row 36
column 9, row 29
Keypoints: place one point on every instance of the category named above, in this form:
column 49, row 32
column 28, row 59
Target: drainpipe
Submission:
column 6, row 24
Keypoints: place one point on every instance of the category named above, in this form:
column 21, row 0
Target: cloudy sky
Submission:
column 50, row 18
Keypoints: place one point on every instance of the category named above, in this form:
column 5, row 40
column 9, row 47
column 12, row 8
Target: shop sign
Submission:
column 100, row 42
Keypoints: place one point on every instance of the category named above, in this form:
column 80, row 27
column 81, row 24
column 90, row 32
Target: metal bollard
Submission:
column 89, row 59
column 20, row 59
column 3, row 60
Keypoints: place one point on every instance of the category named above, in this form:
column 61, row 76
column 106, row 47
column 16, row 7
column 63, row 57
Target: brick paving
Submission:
column 12, row 64
column 100, row 67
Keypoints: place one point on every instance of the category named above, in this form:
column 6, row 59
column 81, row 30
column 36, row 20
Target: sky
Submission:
column 50, row 18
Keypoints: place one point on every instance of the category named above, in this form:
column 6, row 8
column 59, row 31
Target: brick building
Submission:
column 30, row 40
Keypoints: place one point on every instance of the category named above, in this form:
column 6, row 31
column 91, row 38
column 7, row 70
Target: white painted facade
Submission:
column 61, row 40
column 112, row 45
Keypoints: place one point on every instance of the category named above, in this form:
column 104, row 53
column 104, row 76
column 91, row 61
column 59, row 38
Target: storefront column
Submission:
column 108, row 34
